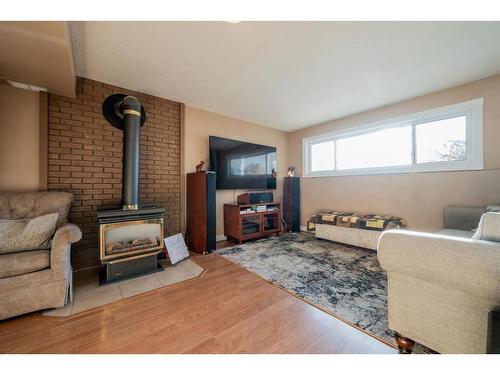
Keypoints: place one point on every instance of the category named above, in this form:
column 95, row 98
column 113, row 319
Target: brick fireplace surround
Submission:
column 85, row 152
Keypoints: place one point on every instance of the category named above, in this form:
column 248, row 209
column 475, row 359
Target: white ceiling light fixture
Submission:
column 26, row 86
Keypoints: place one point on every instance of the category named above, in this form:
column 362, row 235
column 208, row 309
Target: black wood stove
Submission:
column 130, row 234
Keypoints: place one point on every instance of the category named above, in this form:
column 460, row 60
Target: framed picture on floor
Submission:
column 176, row 248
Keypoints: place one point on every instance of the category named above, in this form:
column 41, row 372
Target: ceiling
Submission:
column 287, row 75
column 38, row 53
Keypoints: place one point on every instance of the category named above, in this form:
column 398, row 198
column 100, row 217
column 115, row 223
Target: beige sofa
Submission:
column 37, row 279
column 443, row 287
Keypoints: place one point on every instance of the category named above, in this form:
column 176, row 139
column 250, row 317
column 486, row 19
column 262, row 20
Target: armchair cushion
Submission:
column 24, row 262
column 27, row 234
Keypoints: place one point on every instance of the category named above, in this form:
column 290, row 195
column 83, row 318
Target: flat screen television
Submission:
column 242, row 165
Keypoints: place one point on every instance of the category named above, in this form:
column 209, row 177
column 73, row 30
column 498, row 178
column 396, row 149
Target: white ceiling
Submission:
column 287, row 75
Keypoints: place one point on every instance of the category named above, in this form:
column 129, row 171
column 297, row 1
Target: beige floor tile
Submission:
column 89, row 294
column 98, row 297
column 139, row 285
column 173, row 275
column 191, row 266
column 61, row 311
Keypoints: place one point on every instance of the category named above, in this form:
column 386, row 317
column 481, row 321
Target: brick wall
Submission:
column 85, row 158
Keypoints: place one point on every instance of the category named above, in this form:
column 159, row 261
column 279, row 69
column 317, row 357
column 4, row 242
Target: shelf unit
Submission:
column 240, row 225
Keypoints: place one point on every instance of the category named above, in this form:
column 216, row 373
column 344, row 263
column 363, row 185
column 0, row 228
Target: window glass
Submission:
column 323, row 156
column 442, row 140
column 383, row 148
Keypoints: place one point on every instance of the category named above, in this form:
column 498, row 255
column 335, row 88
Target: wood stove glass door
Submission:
column 127, row 238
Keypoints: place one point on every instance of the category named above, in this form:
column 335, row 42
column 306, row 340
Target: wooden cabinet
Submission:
column 240, row 225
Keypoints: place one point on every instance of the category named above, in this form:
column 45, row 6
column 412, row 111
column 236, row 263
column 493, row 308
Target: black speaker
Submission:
column 291, row 203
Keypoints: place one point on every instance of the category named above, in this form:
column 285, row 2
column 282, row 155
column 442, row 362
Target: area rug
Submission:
column 344, row 280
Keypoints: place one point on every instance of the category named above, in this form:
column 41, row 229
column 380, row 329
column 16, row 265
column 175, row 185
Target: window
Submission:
column 442, row 139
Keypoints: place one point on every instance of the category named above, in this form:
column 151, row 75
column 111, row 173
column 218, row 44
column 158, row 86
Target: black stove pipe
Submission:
column 131, row 110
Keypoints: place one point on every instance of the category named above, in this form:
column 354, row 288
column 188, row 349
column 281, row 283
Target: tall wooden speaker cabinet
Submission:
column 291, row 204
column 200, row 211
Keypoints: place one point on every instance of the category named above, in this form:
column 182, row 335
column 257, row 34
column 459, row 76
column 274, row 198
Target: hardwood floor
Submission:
column 226, row 310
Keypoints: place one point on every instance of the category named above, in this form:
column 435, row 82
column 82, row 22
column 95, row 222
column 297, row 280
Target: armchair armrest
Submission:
column 468, row 265
column 60, row 260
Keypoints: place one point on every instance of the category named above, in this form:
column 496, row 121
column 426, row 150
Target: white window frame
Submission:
column 472, row 110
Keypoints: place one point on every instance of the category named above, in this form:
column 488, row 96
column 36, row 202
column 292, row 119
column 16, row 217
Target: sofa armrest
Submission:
column 472, row 266
column 60, row 254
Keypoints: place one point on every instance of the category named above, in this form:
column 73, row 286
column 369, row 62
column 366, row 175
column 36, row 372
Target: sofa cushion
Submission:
column 24, row 262
column 15, row 206
column 489, row 227
column 456, row 233
column 28, row 234
column 463, row 218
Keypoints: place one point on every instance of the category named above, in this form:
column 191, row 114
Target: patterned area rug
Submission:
column 344, row 280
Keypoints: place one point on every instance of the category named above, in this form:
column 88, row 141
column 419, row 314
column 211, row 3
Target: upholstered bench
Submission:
column 353, row 229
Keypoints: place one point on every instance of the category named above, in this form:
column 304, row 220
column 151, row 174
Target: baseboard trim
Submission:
column 220, row 238
column 303, row 228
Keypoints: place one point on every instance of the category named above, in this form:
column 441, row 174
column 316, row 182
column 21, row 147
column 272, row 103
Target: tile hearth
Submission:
column 88, row 294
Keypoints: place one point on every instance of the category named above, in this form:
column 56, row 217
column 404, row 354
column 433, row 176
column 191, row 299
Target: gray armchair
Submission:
column 37, row 279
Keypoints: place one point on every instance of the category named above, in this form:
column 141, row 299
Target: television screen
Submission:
column 242, row 165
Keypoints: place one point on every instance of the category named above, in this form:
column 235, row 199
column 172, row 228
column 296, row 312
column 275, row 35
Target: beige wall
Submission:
column 39, row 53
column 418, row 197
column 19, row 140
column 199, row 124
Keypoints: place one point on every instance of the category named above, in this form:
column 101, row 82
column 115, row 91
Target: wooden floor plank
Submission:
column 226, row 310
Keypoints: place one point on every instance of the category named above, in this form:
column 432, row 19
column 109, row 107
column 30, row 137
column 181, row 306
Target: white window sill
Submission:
column 421, row 168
